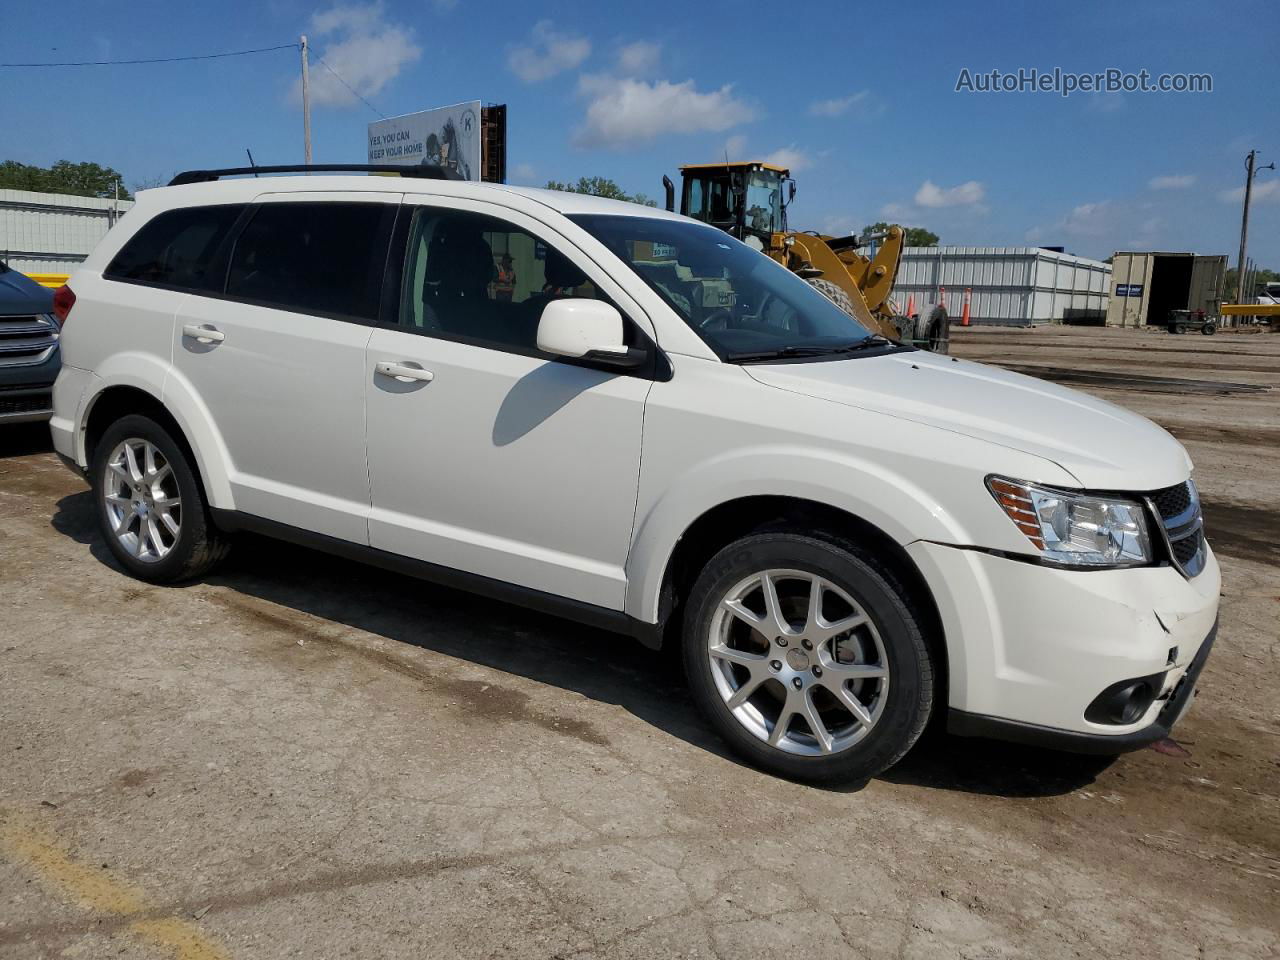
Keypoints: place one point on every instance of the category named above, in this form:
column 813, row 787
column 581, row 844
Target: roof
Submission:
column 245, row 188
column 752, row 164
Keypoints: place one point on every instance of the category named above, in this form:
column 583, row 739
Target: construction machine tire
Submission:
column 833, row 293
column 936, row 333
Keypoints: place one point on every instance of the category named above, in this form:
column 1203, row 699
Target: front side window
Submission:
column 482, row 280
column 323, row 258
column 178, row 249
column 743, row 304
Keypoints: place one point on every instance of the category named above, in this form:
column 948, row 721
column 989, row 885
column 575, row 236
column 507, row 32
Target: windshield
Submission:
column 764, row 202
column 737, row 299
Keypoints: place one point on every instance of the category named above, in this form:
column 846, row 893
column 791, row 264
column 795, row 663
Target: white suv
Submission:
column 631, row 419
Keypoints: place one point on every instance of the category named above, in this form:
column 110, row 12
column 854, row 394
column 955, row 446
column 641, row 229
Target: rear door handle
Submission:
column 404, row 372
column 203, row 332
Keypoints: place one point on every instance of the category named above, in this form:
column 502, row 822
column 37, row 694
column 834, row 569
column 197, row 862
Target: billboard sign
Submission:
column 447, row 136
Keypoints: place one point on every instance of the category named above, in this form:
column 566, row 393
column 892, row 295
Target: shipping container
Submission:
column 53, row 232
column 1146, row 286
column 1008, row 285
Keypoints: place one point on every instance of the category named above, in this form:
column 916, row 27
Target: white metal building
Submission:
column 52, row 232
column 1010, row 285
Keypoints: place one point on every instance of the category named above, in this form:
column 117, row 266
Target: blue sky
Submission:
column 861, row 103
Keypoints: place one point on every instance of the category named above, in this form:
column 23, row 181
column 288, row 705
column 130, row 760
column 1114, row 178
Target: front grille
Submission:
column 1179, row 510
column 1172, row 501
column 26, row 339
column 30, row 403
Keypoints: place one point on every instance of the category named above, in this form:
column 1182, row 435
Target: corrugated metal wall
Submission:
column 1008, row 284
column 52, row 232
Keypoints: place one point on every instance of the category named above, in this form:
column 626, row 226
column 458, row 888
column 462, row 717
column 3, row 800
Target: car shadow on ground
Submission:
column 24, row 439
column 605, row 667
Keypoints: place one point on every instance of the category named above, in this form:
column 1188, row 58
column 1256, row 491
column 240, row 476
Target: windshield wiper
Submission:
column 810, row 350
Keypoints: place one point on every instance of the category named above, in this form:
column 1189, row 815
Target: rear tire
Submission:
column 151, row 508
column 833, row 293
column 868, row 687
column 936, row 337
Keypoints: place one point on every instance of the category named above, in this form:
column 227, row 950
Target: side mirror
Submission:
column 586, row 330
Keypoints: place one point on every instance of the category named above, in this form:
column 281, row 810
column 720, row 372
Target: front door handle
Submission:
column 203, row 332
column 404, row 372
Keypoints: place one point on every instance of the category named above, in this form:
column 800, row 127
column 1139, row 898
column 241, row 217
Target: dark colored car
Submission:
column 29, row 357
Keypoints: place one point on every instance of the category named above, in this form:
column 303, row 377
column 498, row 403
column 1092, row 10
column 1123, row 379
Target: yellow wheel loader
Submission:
column 749, row 201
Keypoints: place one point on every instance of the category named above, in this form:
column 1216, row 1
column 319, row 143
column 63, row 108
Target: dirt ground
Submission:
column 302, row 757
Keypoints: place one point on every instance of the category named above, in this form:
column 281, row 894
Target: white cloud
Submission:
column 1264, row 191
column 792, row 157
column 1179, row 181
column 1088, row 220
column 966, row 194
column 524, row 173
column 735, row 147
column 624, row 110
column 362, row 47
column 896, row 211
column 638, row 58
column 547, row 53
column 838, row 106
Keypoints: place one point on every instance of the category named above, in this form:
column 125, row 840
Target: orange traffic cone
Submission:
column 911, row 305
column 964, row 317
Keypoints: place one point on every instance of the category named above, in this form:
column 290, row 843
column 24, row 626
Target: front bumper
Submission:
column 1179, row 698
column 1030, row 648
column 26, row 389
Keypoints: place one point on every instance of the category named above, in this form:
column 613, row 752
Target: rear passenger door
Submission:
column 485, row 454
column 278, row 358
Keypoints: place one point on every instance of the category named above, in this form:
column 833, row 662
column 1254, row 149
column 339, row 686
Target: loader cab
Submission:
column 745, row 200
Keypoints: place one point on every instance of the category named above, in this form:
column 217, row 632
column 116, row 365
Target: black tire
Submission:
column 199, row 545
column 910, row 689
column 1209, row 329
column 833, row 293
column 937, row 334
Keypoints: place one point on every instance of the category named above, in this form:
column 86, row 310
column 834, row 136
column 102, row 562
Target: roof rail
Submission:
column 422, row 171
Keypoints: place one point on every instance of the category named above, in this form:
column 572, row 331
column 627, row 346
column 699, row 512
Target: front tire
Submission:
column 804, row 655
column 150, row 505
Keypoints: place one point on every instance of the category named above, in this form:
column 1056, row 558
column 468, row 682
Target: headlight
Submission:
column 1075, row 529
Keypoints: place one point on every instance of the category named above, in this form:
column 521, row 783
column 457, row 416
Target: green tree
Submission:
column 1229, row 283
column 915, row 236
column 601, row 187
column 77, row 179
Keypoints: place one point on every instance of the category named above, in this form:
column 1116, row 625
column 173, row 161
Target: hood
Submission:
column 1105, row 447
column 21, row 295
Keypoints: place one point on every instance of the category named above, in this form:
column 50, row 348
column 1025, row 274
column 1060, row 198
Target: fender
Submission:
column 153, row 376
column 870, row 491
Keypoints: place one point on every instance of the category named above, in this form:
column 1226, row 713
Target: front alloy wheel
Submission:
column 143, row 504
column 808, row 656
column 798, row 662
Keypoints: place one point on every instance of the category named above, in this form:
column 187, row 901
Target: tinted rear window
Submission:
column 178, row 249
column 321, row 258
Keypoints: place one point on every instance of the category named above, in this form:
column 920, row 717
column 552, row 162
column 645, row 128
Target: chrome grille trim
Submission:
column 27, row 339
column 1181, row 526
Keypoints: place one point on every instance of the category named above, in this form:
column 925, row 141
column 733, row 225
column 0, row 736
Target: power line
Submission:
column 352, row 89
column 115, row 63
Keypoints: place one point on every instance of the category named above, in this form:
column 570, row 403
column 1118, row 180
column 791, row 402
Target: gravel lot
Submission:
column 302, row 757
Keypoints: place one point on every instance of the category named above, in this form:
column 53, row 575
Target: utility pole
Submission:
column 1249, row 174
column 306, row 107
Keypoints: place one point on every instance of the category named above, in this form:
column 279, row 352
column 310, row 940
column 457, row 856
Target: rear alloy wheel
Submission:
column 142, row 500
column 151, row 508
column 804, row 655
